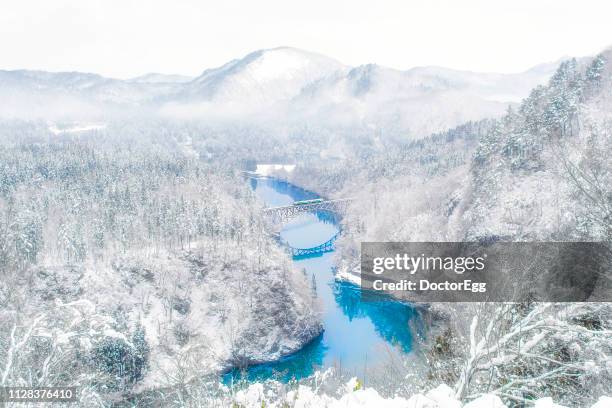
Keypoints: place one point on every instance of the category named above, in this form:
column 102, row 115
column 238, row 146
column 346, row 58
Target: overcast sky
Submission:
column 124, row 38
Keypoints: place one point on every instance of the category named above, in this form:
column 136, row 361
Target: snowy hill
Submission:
column 72, row 95
column 263, row 76
column 489, row 86
column 421, row 100
column 65, row 83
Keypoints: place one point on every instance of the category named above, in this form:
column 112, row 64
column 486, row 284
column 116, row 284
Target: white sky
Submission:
column 124, row 38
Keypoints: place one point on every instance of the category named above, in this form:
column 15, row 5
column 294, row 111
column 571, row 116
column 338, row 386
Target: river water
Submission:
column 359, row 337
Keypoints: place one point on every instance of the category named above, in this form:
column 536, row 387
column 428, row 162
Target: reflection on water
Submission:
column 390, row 318
column 358, row 336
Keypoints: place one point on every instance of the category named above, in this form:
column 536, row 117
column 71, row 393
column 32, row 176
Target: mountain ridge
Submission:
column 281, row 84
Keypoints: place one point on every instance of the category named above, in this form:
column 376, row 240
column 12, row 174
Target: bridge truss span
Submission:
column 287, row 212
column 327, row 246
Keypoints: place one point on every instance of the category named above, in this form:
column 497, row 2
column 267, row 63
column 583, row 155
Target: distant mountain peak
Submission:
column 263, row 76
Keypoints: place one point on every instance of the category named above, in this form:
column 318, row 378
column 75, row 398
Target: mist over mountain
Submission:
column 280, row 85
column 157, row 78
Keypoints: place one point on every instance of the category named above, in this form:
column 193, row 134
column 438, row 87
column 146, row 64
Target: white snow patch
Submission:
column 345, row 273
column 486, row 401
column 443, row 396
column 603, row 402
column 269, row 169
column 547, row 403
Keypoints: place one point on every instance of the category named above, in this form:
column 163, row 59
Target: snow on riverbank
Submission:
column 349, row 273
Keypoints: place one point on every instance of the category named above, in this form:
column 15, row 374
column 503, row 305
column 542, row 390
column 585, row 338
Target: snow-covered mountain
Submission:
column 265, row 76
column 281, row 84
column 422, row 100
column 88, row 86
column 72, row 95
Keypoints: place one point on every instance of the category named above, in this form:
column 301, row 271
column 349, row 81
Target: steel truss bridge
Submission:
column 287, row 212
column 327, row 246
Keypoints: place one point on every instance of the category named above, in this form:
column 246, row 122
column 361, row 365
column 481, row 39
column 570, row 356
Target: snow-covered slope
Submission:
column 524, row 173
column 264, row 76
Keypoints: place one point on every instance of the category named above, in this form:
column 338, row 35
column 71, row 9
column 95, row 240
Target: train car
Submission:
column 305, row 202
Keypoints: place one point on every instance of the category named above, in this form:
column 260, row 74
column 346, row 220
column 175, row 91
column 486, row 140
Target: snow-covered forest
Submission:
column 136, row 262
column 128, row 264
